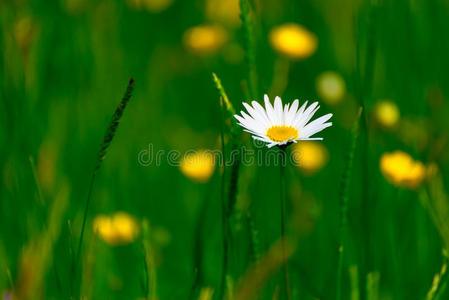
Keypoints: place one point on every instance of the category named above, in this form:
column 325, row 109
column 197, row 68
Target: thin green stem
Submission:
column 83, row 227
column 248, row 26
column 440, row 282
column 344, row 202
column 393, row 235
column 36, row 180
column 224, row 218
column 107, row 139
column 146, row 288
column 86, row 210
column 150, row 268
column 198, row 247
column 283, row 221
column 228, row 201
column 340, row 269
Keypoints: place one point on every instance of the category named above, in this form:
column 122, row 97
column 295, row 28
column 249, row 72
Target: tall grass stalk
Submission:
column 42, row 202
column 434, row 199
column 365, row 62
column 344, row 201
column 150, row 265
column 88, row 278
column 282, row 164
column 439, row 281
column 228, row 201
column 253, row 238
column 107, row 139
column 247, row 17
column 224, row 97
column 224, row 219
column 198, row 252
column 72, row 255
column 37, row 256
column 372, row 286
column 354, row 277
column 36, row 180
column 252, row 282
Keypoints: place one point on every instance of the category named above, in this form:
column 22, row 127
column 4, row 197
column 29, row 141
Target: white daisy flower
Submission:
column 279, row 126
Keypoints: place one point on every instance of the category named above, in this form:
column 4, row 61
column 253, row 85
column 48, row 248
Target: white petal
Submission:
column 307, row 115
column 248, row 122
column 321, row 120
column 310, row 139
column 255, row 115
column 261, row 112
column 278, row 111
column 286, row 107
column 290, row 115
column 300, row 112
column 269, row 109
column 312, row 130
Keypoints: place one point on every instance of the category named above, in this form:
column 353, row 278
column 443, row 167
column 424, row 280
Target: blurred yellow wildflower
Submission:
column 310, row 156
column 400, row 169
column 119, row 229
column 205, row 39
column 206, row 293
column 386, row 113
column 154, row 6
column 227, row 12
column 25, row 32
column 199, row 165
column 75, row 7
column 331, row 87
column 293, row 41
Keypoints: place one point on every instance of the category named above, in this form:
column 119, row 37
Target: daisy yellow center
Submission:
column 282, row 133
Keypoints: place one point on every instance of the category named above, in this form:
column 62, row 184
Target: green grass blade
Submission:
column 346, row 177
column 247, row 18
column 107, row 139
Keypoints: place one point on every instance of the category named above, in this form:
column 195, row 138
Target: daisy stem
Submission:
column 282, row 201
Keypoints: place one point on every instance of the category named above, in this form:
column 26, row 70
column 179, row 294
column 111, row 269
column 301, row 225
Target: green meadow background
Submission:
column 64, row 68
